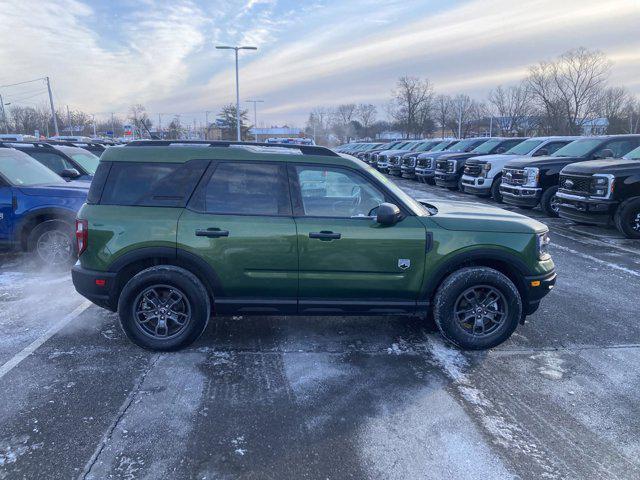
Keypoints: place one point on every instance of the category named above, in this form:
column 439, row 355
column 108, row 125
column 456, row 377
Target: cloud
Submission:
column 161, row 53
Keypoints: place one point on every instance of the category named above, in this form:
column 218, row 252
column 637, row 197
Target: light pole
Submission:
column 255, row 117
column 236, row 49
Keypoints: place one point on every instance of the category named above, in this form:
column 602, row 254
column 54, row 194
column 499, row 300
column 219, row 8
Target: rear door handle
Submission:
column 325, row 235
column 212, row 233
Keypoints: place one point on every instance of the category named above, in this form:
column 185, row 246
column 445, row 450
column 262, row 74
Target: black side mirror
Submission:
column 606, row 153
column 543, row 152
column 70, row 173
column 387, row 214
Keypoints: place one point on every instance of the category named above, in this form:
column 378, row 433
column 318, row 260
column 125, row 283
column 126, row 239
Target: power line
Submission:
column 22, row 83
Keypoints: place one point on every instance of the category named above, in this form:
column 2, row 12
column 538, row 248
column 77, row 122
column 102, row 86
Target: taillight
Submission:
column 82, row 235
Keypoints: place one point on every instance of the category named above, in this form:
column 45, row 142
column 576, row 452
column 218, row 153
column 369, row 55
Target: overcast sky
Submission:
column 102, row 56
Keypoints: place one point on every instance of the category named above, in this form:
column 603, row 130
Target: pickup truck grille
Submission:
column 393, row 160
column 409, row 162
column 576, row 184
column 424, row 162
column 514, row 176
column 473, row 170
column 441, row 165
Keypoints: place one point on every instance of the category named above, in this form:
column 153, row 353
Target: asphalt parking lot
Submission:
column 329, row 397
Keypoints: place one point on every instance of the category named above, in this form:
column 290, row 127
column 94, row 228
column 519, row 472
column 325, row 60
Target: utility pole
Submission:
column 491, row 126
column 206, row 124
column 94, row 126
column 69, row 121
column 4, row 116
column 460, row 121
column 113, row 126
column 160, row 125
column 236, row 49
column 53, row 110
column 255, row 117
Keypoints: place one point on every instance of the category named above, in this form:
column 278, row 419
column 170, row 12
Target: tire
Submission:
column 547, row 202
column 496, row 196
column 627, row 218
column 53, row 244
column 193, row 309
column 451, row 296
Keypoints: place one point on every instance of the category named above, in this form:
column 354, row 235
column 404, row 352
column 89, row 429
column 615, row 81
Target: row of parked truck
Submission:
column 590, row 180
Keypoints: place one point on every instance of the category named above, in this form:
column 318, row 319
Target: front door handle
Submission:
column 212, row 233
column 325, row 235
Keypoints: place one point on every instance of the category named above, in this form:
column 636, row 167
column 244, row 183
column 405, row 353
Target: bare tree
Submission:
column 632, row 115
column 412, row 104
column 139, row 118
column 366, row 115
column 465, row 115
column 611, row 106
column 512, row 106
column 442, row 111
column 569, row 88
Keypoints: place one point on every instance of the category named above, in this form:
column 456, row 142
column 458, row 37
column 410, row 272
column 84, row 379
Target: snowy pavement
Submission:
column 329, row 397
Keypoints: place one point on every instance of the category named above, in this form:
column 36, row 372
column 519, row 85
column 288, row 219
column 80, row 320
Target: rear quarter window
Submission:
column 151, row 184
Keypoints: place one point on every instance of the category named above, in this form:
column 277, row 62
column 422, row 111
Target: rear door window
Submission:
column 152, row 184
column 243, row 188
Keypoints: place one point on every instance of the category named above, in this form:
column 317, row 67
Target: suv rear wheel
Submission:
column 164, row 308
column 53, row 243
column 627, row 218
column 477, row 308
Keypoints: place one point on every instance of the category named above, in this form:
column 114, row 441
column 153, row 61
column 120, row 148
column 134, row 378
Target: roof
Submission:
column 184, row 153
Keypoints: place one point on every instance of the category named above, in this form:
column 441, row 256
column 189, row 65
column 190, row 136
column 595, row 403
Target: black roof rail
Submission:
column 69, row 143
column 12, row 144
column 305, row 149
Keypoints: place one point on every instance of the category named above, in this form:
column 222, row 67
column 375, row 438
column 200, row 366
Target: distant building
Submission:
column 596, row 126
column 275, row 132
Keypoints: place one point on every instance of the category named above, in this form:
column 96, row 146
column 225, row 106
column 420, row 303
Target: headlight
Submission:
column 486, row 167
column 451, row 166
column 543, row 245
column 533, row 175
column 602, row 185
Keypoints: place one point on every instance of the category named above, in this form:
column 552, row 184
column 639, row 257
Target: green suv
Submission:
column 173, row 232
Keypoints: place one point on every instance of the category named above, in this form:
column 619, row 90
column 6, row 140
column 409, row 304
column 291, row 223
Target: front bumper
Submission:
column 476, row 185
column 408, row 172
column 520, row 196
column 446, row 179
column 596, row 211
column 395, row 170
column 536, row 288
column 424, row 172
column 99, row 287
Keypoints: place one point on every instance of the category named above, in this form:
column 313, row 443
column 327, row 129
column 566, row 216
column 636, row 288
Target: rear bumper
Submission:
column 99, row 287
column 521, row 196
column 586, row 209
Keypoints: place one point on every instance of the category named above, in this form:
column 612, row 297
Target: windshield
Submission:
column 462, row 145
column 22, row 170
column 415, row 206
column 441, row 146
column 633, row 154
column 523, row 148
column 87, row 160
column 578, row 148
column 487, row 146
column 426, row 146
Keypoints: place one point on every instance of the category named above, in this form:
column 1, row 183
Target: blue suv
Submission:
column 38, row 209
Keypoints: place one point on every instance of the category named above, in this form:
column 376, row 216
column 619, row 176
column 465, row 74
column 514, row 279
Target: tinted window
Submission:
column 152, row 184
column 553, row 147
column 579, row 148
column 524, row 147
column 336, row 192
column 53, row 161
column 620, row 146
column 97, row 184
column 248, row 189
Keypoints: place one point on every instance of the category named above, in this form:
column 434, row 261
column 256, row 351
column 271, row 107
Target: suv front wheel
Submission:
column 164, row 308
column 477, row 308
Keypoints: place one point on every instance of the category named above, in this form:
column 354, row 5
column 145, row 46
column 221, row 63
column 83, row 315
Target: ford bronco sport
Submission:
column 170, row 235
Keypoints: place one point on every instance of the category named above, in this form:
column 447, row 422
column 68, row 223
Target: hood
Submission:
column 436, row 155
column 387, row 153
column 68, row 190
column 459, row 156
column 467, row 216
column 500, row 157
column 539, row 162
column 614, row 167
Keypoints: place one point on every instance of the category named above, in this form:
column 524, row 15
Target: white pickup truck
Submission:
column 482, row 175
